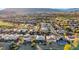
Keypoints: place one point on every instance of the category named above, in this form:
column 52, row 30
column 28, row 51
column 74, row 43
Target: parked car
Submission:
column 22, row 31
column 40, row 39
column 61, row 41
column 27, row 38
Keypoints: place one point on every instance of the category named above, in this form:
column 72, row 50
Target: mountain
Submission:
column 73, row 10
column 25, row 10
column 36, row 10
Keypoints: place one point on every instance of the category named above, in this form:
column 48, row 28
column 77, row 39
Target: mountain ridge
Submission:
column 35, row 10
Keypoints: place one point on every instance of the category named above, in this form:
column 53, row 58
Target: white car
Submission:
column 51, row 38
column 27, row 37
column 23, row 30
column 40, row 37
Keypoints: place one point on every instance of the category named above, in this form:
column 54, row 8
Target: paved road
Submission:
column 38, row 47
column 54, row 46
